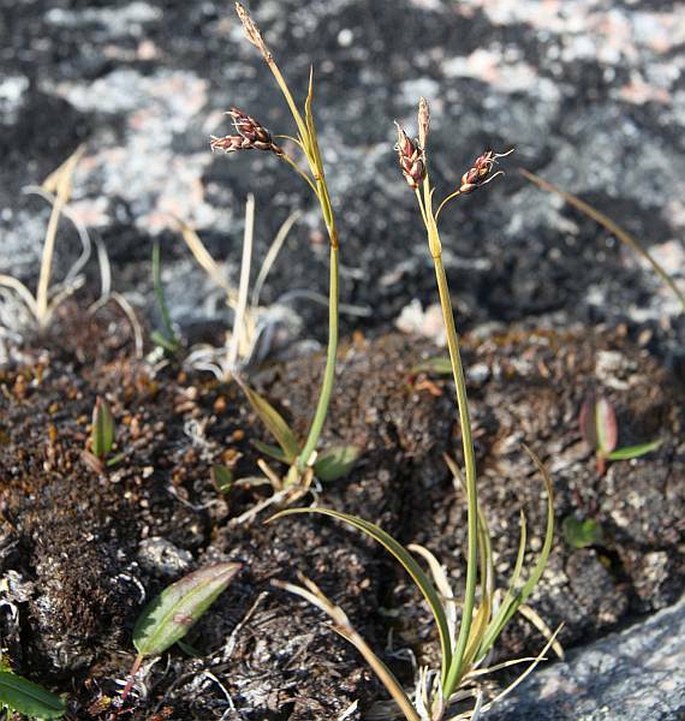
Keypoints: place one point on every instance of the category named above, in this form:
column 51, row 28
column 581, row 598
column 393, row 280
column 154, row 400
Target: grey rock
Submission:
column 636, row 674
column 161, row 556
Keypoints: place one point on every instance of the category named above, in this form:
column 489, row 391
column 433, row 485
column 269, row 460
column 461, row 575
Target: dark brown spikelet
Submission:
column 480, row 172
column 252, row 135
column 411, row 157
column 229, row 143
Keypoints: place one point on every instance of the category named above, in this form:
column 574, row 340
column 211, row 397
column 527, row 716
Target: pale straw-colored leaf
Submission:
column 341, row 624
column 609, row 225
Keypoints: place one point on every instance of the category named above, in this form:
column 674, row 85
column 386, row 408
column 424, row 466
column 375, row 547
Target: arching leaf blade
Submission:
column 406, row 560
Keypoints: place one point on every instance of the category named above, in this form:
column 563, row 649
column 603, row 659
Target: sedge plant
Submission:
column 466, row 639
column 301, row 457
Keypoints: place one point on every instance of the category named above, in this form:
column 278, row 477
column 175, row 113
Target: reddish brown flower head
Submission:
column 411, row 157
column 252, row 135
column 229, row 143
column 480, row 172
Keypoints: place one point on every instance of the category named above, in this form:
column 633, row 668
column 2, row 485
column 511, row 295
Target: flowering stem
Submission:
column 329, row 371
column 317, row 182
column 453, row 675
column 457, row 669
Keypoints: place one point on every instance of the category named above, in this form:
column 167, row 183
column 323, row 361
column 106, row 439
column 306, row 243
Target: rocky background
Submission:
column 591, row 94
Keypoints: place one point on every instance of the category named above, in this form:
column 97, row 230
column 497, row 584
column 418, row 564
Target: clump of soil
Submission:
column 80, row 551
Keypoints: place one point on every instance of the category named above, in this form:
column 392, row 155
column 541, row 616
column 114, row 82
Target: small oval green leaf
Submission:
column 581, row 534
column 28, row 698
column 625, row 454
column 171, row 615
column 335, row 462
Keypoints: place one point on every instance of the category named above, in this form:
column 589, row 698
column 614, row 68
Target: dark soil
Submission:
column 79, row 550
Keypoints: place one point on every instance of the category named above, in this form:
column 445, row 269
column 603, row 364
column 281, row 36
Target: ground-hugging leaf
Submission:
column 28, row 698
column 171, row 615
column 581, row 533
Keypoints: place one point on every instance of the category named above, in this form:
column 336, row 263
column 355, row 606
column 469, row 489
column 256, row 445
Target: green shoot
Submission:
column 102, row 435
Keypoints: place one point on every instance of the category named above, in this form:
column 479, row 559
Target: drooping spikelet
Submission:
column 411, row 157
column 252, row 135
column 480, row 172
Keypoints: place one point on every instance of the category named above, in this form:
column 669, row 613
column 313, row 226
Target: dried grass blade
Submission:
column 344, row 628
column 271, row 256
column 202, row 256
column 610, row 225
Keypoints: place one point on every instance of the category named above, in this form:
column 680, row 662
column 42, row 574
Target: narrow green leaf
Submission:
column 549, row 530
column 222, row 477
column 581, row 533
column 28, row 698
column 171, row 615
column 335, row 462
column 511, row 604
column 167, row 340
column 309, row 121
column 274, row 422
column 439, row 365
column 102, row 434
column 406, row 560
column 269, row 450
column 607, row 426
column 504, row 613
column 625, row 454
